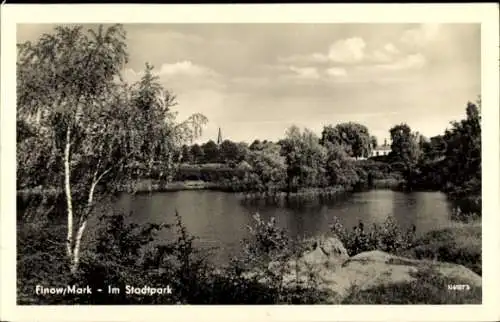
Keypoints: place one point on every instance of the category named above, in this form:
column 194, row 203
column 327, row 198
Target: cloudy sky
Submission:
column 255, row 80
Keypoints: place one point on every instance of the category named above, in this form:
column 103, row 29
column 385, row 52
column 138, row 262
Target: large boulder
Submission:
column 327, row 251
column 326, row 254
column 329, row 267
column 375, row 269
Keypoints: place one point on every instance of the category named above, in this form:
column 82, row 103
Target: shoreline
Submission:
column 146, row 187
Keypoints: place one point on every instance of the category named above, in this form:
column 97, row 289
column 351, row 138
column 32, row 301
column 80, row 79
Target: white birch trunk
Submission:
column 75, row 260
column 76, row 252
column 67, row 189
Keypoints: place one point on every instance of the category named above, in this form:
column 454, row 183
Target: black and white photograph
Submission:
column 249, row 163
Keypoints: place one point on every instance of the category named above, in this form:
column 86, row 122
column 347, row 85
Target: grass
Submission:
column 459, row 243
column 429, row 287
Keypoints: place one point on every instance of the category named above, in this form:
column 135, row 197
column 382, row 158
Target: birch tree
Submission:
column 96, row 130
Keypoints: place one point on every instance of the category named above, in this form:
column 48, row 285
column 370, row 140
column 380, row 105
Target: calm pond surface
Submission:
column 220, row 219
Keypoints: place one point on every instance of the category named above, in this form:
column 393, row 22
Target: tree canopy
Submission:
column 353, row 137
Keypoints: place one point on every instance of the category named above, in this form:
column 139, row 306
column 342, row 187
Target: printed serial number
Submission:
column 458, row 287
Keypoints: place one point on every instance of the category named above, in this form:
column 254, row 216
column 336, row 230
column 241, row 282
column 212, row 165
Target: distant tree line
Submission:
column 300, row 160
column 450, row 162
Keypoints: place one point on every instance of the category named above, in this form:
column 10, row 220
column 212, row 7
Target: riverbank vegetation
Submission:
column 85, row 134
column 450, row 162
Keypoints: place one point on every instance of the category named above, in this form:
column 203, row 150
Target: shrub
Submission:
column 40, row 261
column 388, row 237
column 266, row 256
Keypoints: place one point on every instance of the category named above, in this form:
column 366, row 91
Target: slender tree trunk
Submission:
column 75, row 260
column 67, row 189
column 76, row 252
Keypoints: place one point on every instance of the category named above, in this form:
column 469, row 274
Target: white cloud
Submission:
column 305, row 72
column 318, row 57
column 312, row 58
column 421, row 35
column 381, row 56
column 390, row 48
column 348, row 50
column 250, row 81
column 386, row 54
column 182, row 77
column 336, row 71
column 185, row 68
column 414, row 61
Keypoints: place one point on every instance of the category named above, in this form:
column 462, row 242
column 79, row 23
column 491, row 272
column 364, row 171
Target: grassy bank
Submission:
column 459, row 244
column 429, row 287
column 143, row 186
column 137, row 186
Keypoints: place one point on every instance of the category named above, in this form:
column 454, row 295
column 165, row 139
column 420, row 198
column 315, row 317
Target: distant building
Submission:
column 219, row 137
column 381, row 150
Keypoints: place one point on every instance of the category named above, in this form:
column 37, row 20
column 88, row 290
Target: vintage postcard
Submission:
column 270, row 162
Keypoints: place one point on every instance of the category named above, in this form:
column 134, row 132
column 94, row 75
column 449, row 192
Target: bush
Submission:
column 265, row 258
column 388, row 237
column 209, row 172
column 40, row 261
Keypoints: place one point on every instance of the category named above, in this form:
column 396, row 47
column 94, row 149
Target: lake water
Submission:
column 220, row 219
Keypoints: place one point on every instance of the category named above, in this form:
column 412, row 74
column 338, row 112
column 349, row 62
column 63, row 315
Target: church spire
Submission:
column 219, row 137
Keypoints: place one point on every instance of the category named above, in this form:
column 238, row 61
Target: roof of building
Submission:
column 383, row 148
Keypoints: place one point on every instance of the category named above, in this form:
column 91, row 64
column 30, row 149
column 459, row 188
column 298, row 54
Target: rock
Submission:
column 369, row 270
column 315, row 257
column 328, row 254
column 331, row 270
column 334, row 247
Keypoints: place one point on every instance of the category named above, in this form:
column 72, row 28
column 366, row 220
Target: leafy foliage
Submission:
column 86, row 129
column 353, row 137
column 197, row 153
column 449, row 162
column 210, row 151
column 267, row 169
column 231, row 152
column 339, row 168
column 405, row 147
column 388, row 237
column 304, row 157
